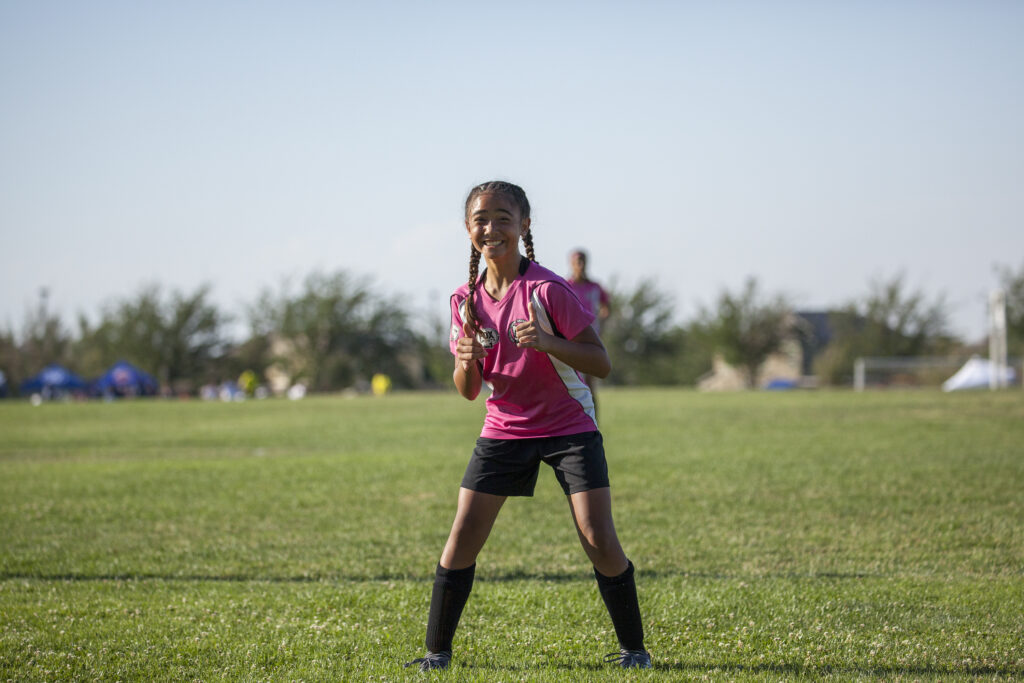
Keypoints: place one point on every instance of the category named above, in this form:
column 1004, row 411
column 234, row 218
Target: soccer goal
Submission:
column 997, row 338
column 903, row 371
column 1000, row 370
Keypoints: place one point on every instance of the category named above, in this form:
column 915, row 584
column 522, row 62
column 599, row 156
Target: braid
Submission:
column 528, row 243
column 518, row 197
column 474, row 265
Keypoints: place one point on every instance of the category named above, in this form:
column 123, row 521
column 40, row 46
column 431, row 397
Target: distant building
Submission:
column 791, row 366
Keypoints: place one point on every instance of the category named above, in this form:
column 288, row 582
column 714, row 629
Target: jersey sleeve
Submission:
column 569, row 315
column 455, row 331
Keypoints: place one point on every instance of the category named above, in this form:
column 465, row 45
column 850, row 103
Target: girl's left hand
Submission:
column 531, row 335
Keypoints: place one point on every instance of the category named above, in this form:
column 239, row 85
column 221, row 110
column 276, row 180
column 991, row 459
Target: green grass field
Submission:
column 824, row 536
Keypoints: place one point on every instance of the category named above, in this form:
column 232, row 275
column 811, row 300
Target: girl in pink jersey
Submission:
column 593, row 295
column 588, row 291
column 520, row 328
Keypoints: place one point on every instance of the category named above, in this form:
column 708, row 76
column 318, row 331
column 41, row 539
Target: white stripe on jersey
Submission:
column 576, row 387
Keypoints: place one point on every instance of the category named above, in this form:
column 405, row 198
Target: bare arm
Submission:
column 468, row 354
column 467, row 379
column 584, row 353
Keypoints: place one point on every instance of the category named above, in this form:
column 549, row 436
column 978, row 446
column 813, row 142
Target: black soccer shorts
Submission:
column 508, row 467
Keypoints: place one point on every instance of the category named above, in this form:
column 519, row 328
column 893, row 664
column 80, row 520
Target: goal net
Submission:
column 903, row 372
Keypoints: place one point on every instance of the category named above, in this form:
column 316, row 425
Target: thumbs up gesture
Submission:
column 530, row 334
column 468, row 350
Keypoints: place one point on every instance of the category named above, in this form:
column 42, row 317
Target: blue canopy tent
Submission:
column 54, row 380
column 124, row 379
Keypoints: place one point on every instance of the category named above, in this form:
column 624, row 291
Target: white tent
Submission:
column 975, row 374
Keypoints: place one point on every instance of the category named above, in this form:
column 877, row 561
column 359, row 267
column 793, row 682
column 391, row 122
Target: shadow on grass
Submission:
column 877, row 671
column 789, row 670
column 526, row 668
column 496, row 577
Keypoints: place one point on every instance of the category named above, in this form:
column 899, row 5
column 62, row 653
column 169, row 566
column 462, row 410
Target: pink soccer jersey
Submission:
column 533, row 394
column 591, row 294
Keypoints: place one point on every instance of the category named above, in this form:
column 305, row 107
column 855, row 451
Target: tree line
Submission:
column 335, row 331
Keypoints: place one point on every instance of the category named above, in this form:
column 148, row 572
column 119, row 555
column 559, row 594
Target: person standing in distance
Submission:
column 520, row 328
column 591, row 294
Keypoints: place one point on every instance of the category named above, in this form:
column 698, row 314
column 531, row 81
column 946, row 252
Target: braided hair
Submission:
column 518, row 197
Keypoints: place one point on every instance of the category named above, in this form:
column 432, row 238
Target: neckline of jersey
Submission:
column 524, row 265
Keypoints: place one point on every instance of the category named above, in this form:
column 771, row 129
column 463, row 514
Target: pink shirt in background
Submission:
column 533, row 394
column 593, row 295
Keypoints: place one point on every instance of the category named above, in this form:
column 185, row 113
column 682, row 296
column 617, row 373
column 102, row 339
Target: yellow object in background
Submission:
column 247, row 382
column 380, row 384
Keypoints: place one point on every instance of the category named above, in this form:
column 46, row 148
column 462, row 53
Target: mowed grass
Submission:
column 824, row 536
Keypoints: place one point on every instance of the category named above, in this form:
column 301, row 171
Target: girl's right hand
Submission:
column 468, row 350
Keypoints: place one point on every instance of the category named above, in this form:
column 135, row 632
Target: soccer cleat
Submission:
column 433, row 660
column 630, row 659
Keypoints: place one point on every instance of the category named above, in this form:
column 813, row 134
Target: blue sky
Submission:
column 815, row 146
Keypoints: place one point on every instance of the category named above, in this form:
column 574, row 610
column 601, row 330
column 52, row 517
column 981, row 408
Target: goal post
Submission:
column 997, row 338
column 908, row 372
column 903, row 370
column 923, row 371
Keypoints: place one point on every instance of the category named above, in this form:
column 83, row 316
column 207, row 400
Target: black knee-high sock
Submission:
column 451, row 589
column 619, row 594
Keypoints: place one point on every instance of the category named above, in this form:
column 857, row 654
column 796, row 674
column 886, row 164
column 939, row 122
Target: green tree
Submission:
column 746, row 327
column 890, row 320
column 249, row 354
column 178, row 338
column 434, row 351
column 10, row 361
column 195, row 340
column 645, row 346
column 44, row 340
column 336, row 332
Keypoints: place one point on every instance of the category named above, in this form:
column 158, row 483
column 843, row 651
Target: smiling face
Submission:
column 495, row 225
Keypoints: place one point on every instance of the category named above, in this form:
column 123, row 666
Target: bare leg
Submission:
column 592, row 513
column 473, row 522
column 453, row 579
